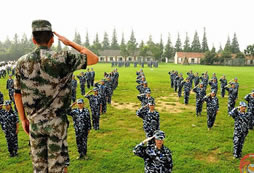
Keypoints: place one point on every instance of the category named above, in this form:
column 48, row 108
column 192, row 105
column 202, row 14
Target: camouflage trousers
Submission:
column 211, row 116
column 104, row 105
column 12, row 141
column 186, row 97
column 176, row 86
column 172, row 83
column 238, row 141
column 81, row 140
column 88, row 83
column 96, row 119
column 82, row 89
column 49, row 146
column 222, row 92
column 73, row 95
column 199, row 105
column 179, row 91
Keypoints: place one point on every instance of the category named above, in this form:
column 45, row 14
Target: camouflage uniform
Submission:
column 92, row 77
column 88, row 78
column 43, row 77
column 212, row 107
column 115, row 80
column 10, row 88
column 172, row 78
column 102, row 94
column 9, row 120
column 232, row 96
column 82, row 124
column 74, row 85
column 250, row 99
column 214, row 86
column 240, row 130
column 144, row 99
column 109, row 91
column 200, row 94
column 179, row 85
column 196, row 80
column 95, row 109
column 223, row 83
column 187, row 89
column 156, row 161
column 205, row 80
column 82, row 81
column 176, row 81
column 191, row 77
column 151, row 120
column 1, row 98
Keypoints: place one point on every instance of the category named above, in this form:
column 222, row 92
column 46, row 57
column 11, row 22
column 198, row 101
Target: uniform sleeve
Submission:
column 76, row 61
column 89, row 120
column 233, row 113
column 169, row 163
column 158, row 120
column 247, row 98
column 218, row 104
column 139, row 150
column 71, row 112
column 17, row 85
column 140, row 113
column 88, row 97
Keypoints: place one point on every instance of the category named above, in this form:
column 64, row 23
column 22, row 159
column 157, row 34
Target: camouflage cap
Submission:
column 95, row 89
column 41, row 25
column 7, row 102
column 243, row 104
column 159, row 135
column 80, row 101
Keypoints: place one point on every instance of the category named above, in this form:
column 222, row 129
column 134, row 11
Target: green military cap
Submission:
column 41, row 25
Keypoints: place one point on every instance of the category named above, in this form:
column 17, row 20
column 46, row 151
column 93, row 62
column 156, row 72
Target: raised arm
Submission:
column 91, row 57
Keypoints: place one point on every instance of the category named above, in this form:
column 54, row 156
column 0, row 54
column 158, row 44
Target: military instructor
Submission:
column 43, row 95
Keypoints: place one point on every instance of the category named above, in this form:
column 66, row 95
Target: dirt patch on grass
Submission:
column 164, row 104
column 169, row 104
column 211, row 157
column 130, row 106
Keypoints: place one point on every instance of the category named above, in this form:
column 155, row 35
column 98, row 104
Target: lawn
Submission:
column 110, row 149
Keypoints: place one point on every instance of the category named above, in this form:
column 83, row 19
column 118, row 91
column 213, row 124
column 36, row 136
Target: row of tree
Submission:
column 13, row 49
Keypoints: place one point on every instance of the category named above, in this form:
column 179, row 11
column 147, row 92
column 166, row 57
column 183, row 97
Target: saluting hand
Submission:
column 64, row 40
column 148, row 139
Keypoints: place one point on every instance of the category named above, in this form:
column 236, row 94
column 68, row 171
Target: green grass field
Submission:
column 110, row 149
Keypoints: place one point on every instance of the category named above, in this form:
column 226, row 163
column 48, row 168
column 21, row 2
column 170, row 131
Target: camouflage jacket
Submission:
column 1, row 98
column 200, row 93
column 156, row 161
column 232, row 93
column 223, row 83
column 250, row 101
column 187, row 86
column 74, row 84
column 242, row 120
column 144, row 99
column 81, row 119
column 8, row 120
column 82, row 79
column 44, row 79
column 151, row 120
column 212, row 103
column 94, row 102
column 10, row 84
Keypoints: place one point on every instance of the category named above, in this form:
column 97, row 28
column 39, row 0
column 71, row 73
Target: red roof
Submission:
column 190, row 55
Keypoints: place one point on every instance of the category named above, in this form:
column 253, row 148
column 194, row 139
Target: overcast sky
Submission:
column 220, row 17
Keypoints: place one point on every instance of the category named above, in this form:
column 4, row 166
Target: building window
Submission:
column 130, row 59
column 101, row 59
column 111, row 59
column 192, row 60
column 120, row 59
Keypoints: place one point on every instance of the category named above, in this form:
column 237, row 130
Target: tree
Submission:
column 161, row 46
column 186, row 47
column 195, row 46
column 235, row 45
column 105, row 43
column 220, row 49
column 114, row 43
column 210, row 57
column 204, row 42
column 123, row 47
column 249, row 51
column 228, row 46
column 240, row 55
column 143, row 49
column 77, row 38
column 169, row 50
column 87, row 43
column 178, row 45
column 132, row 44
column 96, row 45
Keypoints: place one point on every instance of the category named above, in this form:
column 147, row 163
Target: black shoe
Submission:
column 11, row 154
